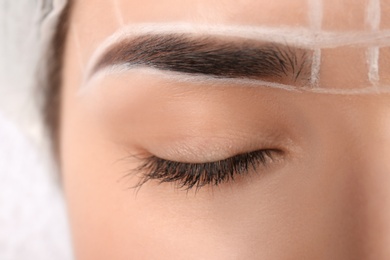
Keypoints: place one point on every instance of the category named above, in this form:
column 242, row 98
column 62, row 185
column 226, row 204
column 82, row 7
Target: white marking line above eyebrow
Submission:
column 373, row 19
column 295, row 36
column 315, row 18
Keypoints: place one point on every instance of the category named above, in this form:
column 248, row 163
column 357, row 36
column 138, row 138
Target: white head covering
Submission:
column 26, row 29
column 33, row 222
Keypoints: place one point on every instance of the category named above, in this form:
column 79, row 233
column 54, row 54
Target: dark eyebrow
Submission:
column 208, row 55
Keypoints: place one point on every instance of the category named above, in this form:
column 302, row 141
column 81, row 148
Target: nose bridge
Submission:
column 370, row 164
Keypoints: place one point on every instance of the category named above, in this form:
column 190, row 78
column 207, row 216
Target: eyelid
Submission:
column 197, row 175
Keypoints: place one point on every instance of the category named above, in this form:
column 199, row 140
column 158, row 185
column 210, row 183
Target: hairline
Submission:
column 54, row 81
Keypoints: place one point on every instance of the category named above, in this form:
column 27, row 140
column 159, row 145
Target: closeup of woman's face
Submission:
column 225, row 129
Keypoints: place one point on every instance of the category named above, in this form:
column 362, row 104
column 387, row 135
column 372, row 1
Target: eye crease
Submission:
column 189, row 176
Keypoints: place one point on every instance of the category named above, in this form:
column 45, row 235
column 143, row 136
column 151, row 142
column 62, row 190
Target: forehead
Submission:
column 329, row 14
column 226, row 11
column 342, row 67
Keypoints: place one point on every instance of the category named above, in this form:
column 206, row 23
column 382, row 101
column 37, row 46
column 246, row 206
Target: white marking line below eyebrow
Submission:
column 180, row 77
column 373, row 19
column 205, row 80
column 315, row 18
column 294, row 36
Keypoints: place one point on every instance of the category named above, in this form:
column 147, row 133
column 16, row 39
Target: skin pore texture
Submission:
column 196, row 96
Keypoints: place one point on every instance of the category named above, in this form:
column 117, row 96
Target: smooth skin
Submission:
column 327, row 197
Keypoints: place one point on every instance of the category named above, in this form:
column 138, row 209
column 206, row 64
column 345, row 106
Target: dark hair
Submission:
column 53, row 81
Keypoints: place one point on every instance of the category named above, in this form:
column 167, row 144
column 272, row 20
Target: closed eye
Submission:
column 197, row 175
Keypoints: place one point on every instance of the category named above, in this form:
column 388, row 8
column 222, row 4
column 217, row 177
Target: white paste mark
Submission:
column 210, row 81
column 316, row 68
column 76, row 40
column 373, row 14
column 373, row 19
column 315, row 18
column 316, row 14
column 118, row 12
column 373, row 62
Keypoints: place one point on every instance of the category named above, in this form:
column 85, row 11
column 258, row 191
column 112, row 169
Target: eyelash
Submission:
column 197, row 175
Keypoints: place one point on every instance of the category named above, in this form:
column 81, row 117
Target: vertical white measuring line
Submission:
column 118, row 12
column 373, row 19
column 315, row 18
